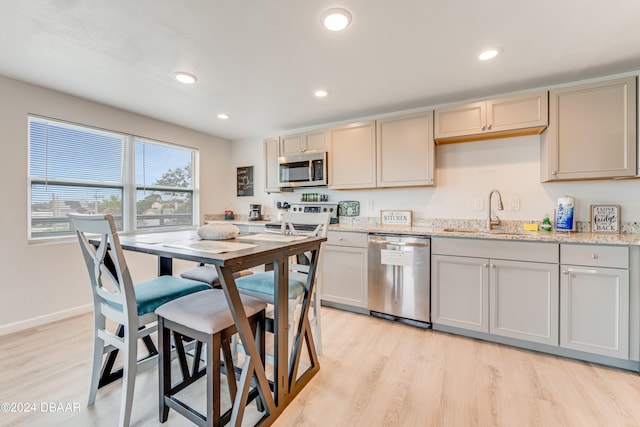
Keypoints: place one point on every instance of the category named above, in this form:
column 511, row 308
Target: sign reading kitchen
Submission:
column 395, row 218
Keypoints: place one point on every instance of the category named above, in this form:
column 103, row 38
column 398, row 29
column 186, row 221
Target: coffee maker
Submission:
column 255, row 212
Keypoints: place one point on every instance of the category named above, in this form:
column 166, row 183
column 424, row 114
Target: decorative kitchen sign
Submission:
column 605, row 218
column 402, row 218
column 245, row 181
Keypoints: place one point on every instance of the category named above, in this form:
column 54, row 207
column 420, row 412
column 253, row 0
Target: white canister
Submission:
column 564, row 214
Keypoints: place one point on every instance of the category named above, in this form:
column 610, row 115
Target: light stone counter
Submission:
column 539, row 236
column 470, row 229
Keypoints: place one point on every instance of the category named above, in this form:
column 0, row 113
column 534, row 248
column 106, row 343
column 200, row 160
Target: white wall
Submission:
column 43, row 282
column 465, row 172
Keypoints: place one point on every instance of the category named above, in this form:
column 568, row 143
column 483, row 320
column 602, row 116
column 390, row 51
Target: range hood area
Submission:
column 491, row 119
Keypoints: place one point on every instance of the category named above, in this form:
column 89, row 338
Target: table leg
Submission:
column 254, row 366
column 165, row 266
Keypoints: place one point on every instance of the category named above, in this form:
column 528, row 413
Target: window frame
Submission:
column 128, row 186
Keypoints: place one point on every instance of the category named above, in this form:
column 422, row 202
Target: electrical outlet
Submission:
column 514, row 203
column 478, row 204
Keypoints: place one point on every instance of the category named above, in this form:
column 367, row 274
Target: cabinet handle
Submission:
column 594, row 256
column 340, row 238
column 489, row 127
column 554, row 173
column 485, row 265
column 493, row 266
column 484, row 128
column 580, row 270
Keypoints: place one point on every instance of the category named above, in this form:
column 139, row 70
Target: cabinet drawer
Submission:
column 496, row 249
column 346, row 238
column 595, row 255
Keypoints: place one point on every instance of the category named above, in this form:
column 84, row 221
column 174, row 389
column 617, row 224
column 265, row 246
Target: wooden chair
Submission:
column 261, row 285
column 206, row 318
column 116, row 298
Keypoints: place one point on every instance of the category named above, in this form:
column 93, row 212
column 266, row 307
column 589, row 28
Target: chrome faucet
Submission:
column 492, row 222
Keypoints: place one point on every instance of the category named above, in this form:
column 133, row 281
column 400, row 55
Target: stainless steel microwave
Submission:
column 303, row 170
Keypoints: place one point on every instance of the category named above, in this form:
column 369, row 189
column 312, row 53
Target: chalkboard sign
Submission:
column 605, row 218
column 245, row 181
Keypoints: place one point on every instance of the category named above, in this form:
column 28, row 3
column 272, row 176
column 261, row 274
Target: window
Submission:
column 85, row 170
column 164, row 185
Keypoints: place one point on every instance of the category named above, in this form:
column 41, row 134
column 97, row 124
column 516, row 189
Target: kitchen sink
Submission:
column 484, row 232
column 460, row 230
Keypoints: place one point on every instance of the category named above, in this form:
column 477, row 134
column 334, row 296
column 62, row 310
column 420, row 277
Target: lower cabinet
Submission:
column 344, row 271
column 594, row 310
column 524, row 300
column 515, row 298
column 460, row 292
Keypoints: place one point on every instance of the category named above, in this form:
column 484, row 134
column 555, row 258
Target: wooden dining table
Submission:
column 245, row 251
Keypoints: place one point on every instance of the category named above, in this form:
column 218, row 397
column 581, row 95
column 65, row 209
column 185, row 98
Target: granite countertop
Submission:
column 534, row 236
column 626, row 239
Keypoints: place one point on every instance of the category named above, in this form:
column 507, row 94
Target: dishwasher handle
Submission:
column 418, row 243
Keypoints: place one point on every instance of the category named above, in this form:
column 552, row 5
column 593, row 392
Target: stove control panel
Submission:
column 317, row 208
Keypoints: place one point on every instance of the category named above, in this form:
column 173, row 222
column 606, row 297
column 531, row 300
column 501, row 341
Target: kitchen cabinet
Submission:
column 405, row 151
column 271, row 153
column 592, row 132
column 524, row 300
column 594, row 295
column 391, row 152
column 495, row 118
column 352, row 156
column 502, row 288
column 459, row 292
column 344, row 271
column 304, row 142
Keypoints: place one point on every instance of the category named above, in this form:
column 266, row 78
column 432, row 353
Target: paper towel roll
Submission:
column 564, row 214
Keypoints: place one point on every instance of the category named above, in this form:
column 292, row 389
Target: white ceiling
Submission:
column 260, row 60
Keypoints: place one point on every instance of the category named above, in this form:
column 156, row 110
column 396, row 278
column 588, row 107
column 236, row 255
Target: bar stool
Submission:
column 206, row 318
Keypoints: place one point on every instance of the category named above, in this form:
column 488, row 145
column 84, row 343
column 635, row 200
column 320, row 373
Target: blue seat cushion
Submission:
column 262, row 283
column 151, row 294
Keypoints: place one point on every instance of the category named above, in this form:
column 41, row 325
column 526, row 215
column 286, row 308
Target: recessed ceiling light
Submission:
column 186, row 78
column 320, row 93
column 489, row 53
column 223, row 116
column 336, row 19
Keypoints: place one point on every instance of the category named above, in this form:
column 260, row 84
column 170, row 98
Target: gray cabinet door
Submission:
column 459, row 292
column 352, row 156
column 344, row 275
column 594, row 313
column 592, row 131
column 405, row 151
column 271, row 153
column 523, row 297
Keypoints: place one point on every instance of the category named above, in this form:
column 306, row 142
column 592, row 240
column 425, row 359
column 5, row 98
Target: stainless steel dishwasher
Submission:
column 400, row 278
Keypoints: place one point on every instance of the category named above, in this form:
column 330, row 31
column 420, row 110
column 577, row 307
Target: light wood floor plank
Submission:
column 373, row 373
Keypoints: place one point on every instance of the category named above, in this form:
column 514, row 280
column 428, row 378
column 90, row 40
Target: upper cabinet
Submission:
column 391, row 152
column 496, row 118
column 592, row 132
column 405, row 151
column 300, row 143
column 352, row 156
column 271, row 154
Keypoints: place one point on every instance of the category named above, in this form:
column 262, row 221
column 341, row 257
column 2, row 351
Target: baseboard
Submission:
column 43, row 320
